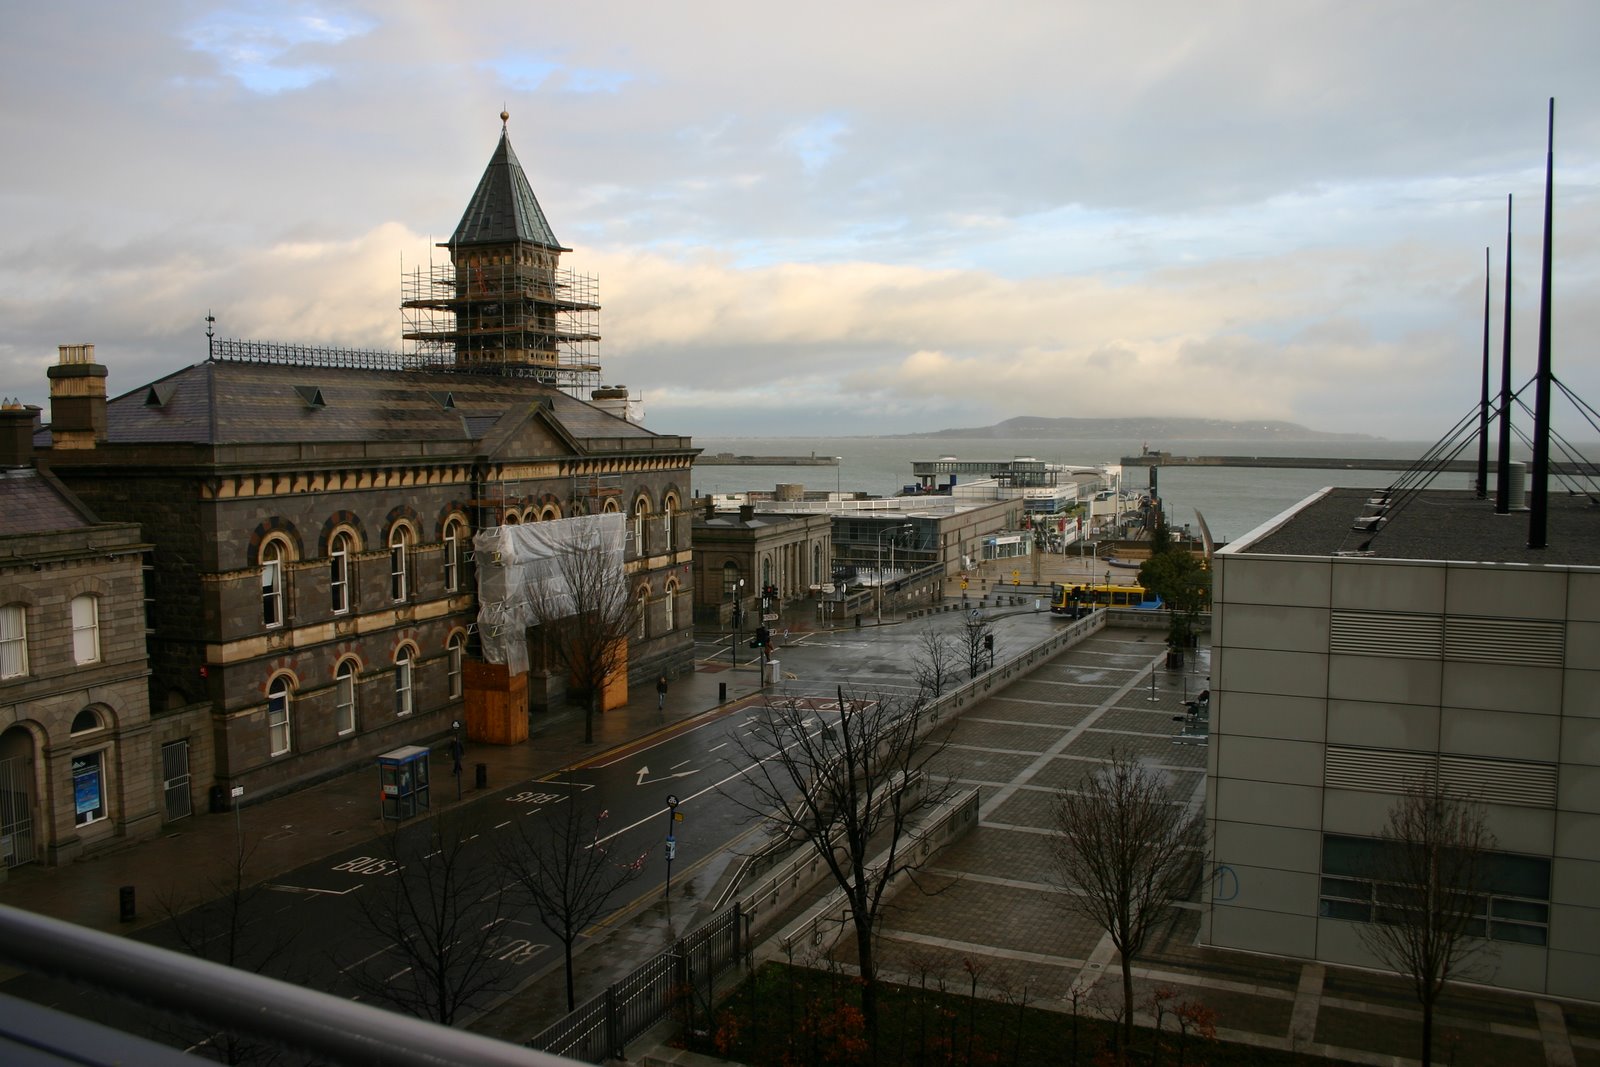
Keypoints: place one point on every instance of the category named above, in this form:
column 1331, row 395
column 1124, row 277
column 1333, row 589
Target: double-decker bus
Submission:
column 1071, row 601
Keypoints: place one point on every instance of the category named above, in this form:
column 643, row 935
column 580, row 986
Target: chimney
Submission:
column 17, row 424
column 77, row 398
column 747, row 512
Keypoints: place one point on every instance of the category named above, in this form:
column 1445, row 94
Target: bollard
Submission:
column 722, row 692
column 125, row 904
column 858, row 620
column 480, row 779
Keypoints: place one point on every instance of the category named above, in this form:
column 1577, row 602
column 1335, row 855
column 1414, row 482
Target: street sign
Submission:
column 769, row 618
column 672, row 850
column 237, row 792
column 963, row 583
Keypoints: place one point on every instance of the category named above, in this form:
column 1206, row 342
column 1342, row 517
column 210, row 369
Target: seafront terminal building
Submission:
column 1347, row 662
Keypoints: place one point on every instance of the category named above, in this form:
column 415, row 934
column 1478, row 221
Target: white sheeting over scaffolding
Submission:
column 520, row 566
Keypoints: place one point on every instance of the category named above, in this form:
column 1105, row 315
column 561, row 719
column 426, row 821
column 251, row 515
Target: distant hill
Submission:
column 1154, row 430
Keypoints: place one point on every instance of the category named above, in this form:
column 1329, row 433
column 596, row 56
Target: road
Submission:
column 310, row 927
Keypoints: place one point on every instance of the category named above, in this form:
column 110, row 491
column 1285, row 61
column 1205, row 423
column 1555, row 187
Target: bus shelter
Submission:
column 403, row 781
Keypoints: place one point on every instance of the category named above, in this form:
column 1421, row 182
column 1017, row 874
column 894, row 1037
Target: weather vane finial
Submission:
column 505, row 116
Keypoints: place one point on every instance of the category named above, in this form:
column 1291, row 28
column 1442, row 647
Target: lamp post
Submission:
column 892, row 532
column 733, row 646
column 1108, row 590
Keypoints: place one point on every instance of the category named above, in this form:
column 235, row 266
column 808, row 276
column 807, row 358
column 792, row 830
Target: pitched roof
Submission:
column 33, row 502
column 224, row 402
column 503, row 208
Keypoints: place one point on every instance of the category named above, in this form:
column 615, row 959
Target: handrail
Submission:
column 331, row 1028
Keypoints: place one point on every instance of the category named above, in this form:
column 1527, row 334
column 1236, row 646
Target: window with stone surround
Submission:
column 455, row 650
column 279, row 732
column 402, row 680
column 274, row 553
column 455, row 532
column 13, row 641
column 400, row 562
column 86, row 629
column 339, row 552
column 344, row 697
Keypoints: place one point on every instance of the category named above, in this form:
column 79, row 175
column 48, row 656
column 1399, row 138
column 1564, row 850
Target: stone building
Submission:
column 738, row 554
column 81, row 767
column 312, row 510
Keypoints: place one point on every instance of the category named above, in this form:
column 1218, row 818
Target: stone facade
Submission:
column 80, row 766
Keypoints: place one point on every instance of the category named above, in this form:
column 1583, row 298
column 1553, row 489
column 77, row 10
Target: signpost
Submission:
column 672, row 842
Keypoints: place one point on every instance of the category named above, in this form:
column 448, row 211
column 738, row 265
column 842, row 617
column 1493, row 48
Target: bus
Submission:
column 1071, row 601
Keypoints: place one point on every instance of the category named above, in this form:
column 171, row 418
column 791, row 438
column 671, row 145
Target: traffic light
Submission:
column 988, row 642
column 763, row 637
column 770, row 592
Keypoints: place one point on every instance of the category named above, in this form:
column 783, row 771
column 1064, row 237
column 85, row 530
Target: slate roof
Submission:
column 32, row 502
column 239, row 403
column 1439, row 524
column 504, row 209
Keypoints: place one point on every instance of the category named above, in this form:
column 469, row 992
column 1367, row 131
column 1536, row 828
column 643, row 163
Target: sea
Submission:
column 1234, row 500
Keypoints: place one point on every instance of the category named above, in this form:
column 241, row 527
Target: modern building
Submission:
column 1353, row 654
column 82, row 766
column 312, row 510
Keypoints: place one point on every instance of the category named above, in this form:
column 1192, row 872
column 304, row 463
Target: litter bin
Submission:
column 771, row 675
column 125, row 904
column 219, row 799
column 480, row 776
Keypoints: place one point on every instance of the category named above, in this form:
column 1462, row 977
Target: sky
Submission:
column 833, row 218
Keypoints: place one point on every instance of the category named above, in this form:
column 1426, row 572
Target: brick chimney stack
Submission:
column 77, row 398
column 17, row 424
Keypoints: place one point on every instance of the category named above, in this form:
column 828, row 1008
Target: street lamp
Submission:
column 892, row 532
column 733, row 646
column 1108, row 590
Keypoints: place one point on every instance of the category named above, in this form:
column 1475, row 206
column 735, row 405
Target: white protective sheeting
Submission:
column 520, row 566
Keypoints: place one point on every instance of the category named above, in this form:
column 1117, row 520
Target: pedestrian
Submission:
column 661, row 693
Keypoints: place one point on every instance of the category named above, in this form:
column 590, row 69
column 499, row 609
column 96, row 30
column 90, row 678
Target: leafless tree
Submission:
column 433, row 914
column 1428, row 871
column 564, row 865
column 1124, row 848
column 224, row 921
column 586, row 619
column 978, row 640
column 934, row 663
column 846, row 780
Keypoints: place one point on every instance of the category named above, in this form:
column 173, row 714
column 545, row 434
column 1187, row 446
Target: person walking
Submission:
column 661, row 693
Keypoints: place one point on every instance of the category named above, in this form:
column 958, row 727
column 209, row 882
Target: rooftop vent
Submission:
column 444, row 400
column 311, row 395
column 1369, row 523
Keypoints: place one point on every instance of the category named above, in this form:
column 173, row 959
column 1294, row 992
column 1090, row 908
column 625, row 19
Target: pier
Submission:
column 728, row 459
column 1463, row 466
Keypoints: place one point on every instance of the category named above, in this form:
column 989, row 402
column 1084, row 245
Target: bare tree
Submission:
column 564, row 867
column 846, row 787
column 436, row 912
column 1428, row 870
column 226, row 922
column 978, row 639
column 586, row 618
column 1124, row 848
column 934, row 662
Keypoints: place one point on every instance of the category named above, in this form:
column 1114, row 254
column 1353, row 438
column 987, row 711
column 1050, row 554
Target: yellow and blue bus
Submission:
column 1071, row 601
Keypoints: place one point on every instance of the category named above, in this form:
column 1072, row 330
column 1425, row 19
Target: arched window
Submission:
column 730, row 580
column 644, row 612
column 668, row 505
column 273, row 555
column 339, row 572
column 512, row 519
column 454, row 533
column 641, row 511
column 344, row 697
column 399, row 562
column 402, row 681
column 550, row 512
column 668, row 619
column 454, row 656
column 279, row 732
column 86, row 629
column 13, row 641
column 87, row 721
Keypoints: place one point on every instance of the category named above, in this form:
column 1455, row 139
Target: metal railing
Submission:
column 333, row 1030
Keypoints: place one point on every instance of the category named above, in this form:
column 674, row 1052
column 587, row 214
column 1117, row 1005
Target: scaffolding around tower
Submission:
column 509, row 310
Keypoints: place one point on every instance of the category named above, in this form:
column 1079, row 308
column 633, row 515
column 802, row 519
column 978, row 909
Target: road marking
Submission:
column 502, row 826
column 723, row 745
column 314, row 892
